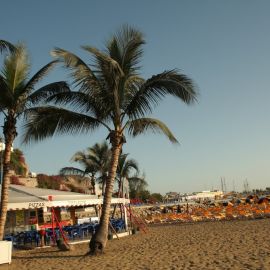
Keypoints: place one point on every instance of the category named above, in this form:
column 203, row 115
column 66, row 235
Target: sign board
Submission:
column 19, row 218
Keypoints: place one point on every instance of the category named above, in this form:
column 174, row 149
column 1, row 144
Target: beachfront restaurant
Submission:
column 31, row 208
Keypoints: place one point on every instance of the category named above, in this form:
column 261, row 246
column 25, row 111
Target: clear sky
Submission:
column 223, row 45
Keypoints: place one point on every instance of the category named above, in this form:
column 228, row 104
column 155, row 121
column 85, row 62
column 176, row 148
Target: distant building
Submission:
column 172, row 197
column 216, row 194
column 32, row 174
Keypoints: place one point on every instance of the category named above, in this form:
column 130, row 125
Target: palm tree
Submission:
column 100, row 154
column 109, row 93
column 89, row 168
column 91, row 171
column 16, row 94
column 124, row 170
column 94, row 161
column 137, row 185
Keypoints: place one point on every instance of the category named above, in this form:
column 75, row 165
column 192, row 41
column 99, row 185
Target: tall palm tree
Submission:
column 94, row 162
column 16, row 94
column 110, row 93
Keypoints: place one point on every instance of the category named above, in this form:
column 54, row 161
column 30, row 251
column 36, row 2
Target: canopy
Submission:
column 21, row 197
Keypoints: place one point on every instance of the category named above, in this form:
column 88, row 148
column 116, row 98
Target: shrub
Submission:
column 14, row 180
column 51, row 182
column 17, row 162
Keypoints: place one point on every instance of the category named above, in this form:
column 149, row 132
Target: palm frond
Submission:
column 47, row 91
column 143, row 125
column 126, row 48
column 6, row 46
column 100, row 153
column 71, row 171
column 81, row 72
column 131, row 86
column 137, row 183
column 150, row 93
column 80, row 155
column 82, row 102
column 40, row 75
column 138, row 180
column 85, row 160
column 100, row 179
column 16, row 69
column 111, row 74
column 44, row 122
column 6, row 97
column 21, row 99
column 114, row 51
column 109, row 68
column 125, row 166
column 131, row 164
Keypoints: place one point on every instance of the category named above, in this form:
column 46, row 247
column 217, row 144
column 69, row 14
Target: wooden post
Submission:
column 130, row 217
column 125, row 216
column 111, row 226
column 72, row 215
column 53, row 232
column 99, row 211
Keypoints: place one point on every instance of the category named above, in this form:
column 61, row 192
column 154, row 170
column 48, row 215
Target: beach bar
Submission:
column 30, row 208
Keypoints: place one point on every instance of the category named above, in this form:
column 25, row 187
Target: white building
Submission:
column 216, row 194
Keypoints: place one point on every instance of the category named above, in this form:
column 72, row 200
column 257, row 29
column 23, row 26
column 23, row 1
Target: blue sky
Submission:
column 222, row 45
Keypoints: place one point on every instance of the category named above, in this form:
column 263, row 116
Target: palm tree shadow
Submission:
column 44, row 251
column 47, row 256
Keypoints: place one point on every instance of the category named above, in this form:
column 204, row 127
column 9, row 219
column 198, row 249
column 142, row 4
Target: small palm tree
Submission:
column 112, row 94
column 136, row 186
column 89, row 170
column 100, row 154
column 125, row 168
column 16, row 94
column 94, row 162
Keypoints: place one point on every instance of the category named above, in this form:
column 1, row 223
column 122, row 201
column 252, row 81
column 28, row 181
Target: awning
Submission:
column 21, row 197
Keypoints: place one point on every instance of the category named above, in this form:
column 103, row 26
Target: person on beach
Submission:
column 42, row 237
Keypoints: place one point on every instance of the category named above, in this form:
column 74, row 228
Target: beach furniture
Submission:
column 6, row 251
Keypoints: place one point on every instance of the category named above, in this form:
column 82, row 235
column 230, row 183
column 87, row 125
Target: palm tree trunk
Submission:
column 93, row 184
column 100, row 238
column 10, row 134
column 103, row 184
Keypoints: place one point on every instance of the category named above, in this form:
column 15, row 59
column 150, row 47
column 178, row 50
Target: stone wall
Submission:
column 28, row 181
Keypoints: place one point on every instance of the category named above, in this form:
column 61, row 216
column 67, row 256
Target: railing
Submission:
column 72, row 233
column 137, row 220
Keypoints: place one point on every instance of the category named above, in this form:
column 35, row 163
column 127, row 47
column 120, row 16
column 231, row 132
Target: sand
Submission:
column 205, row 245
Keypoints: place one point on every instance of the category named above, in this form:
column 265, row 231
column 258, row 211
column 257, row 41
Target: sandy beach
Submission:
column 207, row 245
